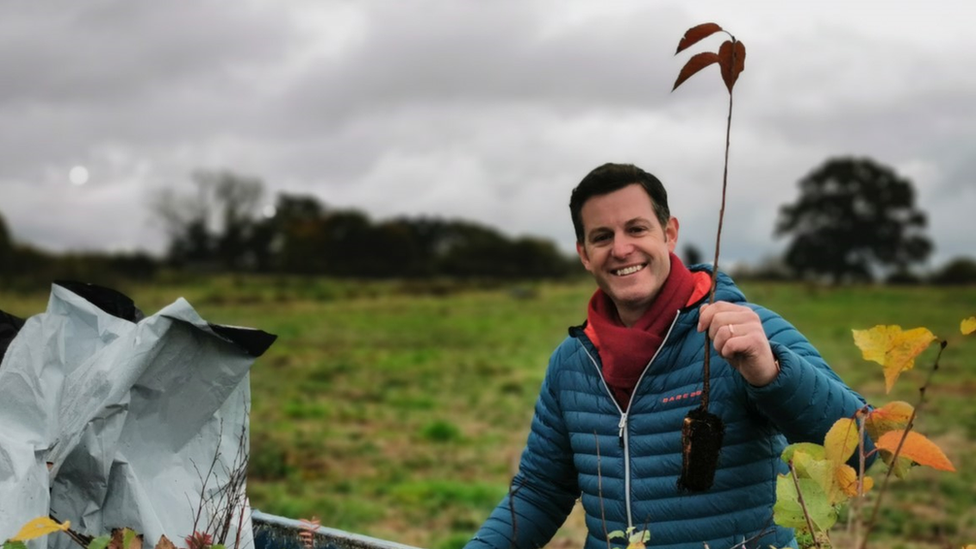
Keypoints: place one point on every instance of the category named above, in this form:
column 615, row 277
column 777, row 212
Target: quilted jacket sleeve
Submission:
column 545, row 488
column 807, row 397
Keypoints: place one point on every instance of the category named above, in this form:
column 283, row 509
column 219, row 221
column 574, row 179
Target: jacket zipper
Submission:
column 622, row 431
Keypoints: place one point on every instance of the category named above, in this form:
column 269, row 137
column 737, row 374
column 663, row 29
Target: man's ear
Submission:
column 671, row 233
column 584, row 257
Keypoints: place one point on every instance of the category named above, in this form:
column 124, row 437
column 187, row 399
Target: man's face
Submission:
column 626, row 248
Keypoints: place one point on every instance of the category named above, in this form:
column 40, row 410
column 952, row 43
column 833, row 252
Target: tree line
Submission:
column 855, row 220
column 221, row 228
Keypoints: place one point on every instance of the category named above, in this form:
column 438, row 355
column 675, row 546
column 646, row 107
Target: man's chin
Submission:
column 630, row 299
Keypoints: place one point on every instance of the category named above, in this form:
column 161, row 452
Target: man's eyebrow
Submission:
column 637, row 220
column 627, row 223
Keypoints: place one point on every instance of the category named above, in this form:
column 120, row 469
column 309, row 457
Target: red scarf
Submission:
column 625, row 352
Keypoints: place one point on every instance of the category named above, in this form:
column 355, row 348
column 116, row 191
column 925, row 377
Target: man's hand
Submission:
column 738, row 336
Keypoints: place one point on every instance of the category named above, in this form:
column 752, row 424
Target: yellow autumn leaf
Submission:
column 841, row 440
column 845, row 477
column 38, row 527
column 890, row 417
column 895, row 349
column 917, row 448
column 968, row 325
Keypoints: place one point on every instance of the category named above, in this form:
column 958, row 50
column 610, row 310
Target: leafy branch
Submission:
column 824, row 481
column 901, row 445
column 803, row 505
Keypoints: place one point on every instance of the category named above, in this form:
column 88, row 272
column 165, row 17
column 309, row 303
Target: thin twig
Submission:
column 706, row 365
column 904, row 435
column 725, row 184
column 234, row 490
column 206, row 479
column 744, row 544
column 803, row 506
column 240, row 526
column 81, row 539
column 645, row 535
column 861, row 417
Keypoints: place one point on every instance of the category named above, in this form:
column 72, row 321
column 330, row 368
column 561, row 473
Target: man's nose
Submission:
column 622, row 246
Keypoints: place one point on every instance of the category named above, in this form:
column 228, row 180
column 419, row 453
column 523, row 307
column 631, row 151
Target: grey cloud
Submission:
column 492, row 53
column 102, row 52
column 77, row 75
column 487, row 110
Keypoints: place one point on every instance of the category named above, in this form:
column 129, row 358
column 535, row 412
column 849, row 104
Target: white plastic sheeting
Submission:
column 109, row 422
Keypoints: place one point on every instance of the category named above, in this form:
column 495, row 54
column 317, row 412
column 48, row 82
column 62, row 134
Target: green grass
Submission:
column 399, row 410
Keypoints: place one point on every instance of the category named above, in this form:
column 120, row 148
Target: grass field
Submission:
column 399, row 411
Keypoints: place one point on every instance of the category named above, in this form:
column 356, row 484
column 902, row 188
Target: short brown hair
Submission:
column 613, row 177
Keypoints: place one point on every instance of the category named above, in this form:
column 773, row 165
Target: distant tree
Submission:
column 6, row 246
column 692, row 255
column 31, row 265
column 214, row 225
column 853, row 215
column 958, row 271
column 538, row 258
column 430, row 239
column 769, row 268
column 298, row 235
column 132, row 265
column 237, row 198
column 903, row 278
column 403, row 254
column 350, row 248
column 471, row 250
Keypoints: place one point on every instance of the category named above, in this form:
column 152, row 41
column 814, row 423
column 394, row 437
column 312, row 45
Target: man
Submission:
column 608, row 421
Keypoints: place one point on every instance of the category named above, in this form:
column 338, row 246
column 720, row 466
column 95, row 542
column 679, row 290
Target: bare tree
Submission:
column 212, row 225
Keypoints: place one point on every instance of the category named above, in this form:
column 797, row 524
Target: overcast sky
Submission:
column 488, row 111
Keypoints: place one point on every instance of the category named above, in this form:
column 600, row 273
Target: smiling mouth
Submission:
column 628, row 270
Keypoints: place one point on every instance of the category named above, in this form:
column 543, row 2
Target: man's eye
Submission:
column 638, row 230
column 599, row 238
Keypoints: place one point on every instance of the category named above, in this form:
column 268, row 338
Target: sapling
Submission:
column 702, row 431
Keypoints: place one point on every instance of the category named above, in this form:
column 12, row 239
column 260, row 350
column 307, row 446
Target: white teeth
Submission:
column 628, row 270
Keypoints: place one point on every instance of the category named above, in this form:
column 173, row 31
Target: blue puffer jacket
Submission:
column 624, row 464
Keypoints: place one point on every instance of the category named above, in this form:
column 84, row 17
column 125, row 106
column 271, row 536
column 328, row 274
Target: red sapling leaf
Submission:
column 740, row 61
column 198, row 540
column 732, row 60
column 917, row 448
column 696, row 63
column 696, row 34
